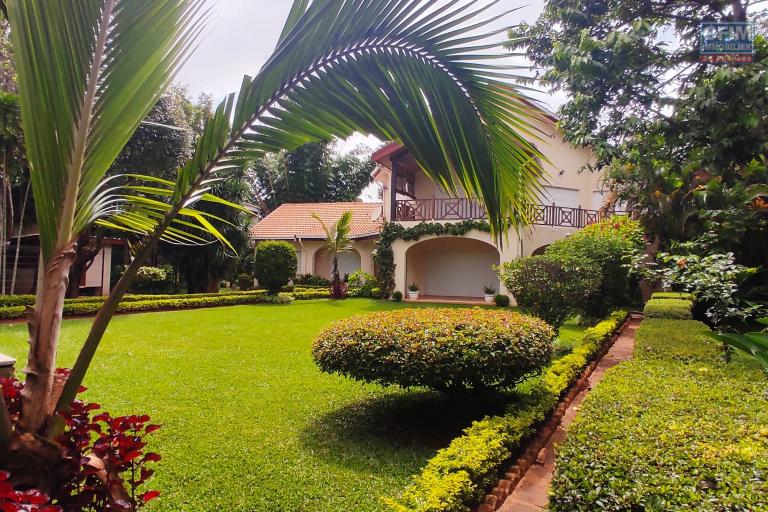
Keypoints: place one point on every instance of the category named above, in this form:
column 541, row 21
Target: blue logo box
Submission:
column 727, row 41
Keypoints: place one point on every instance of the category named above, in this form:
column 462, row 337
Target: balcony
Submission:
column 464, row 209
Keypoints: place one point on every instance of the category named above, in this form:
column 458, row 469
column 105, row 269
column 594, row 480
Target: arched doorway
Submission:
column 452, row 266
column 349, row 262
column 541, row 250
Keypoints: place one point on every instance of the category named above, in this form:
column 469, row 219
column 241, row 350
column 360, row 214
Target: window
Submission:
column 406, row 181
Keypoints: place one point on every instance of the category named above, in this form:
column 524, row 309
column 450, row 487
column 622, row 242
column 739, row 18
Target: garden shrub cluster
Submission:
column 444, row 349
column 608, row 244
column 674, row 295
column 458, row 476
column 138, row 303
column 674, row 429
column 681, row 309
column 551, row 287
column 274, row 264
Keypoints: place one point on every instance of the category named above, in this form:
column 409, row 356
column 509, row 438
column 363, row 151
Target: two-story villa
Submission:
column 443, row 266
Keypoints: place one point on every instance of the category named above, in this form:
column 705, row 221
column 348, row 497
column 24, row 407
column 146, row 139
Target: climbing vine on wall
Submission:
column 385, row 257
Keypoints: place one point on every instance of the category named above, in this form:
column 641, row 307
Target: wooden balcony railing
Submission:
column 462, row 209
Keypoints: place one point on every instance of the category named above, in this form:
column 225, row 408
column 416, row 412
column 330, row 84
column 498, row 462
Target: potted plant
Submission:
column 413, row 291
column 490, row 293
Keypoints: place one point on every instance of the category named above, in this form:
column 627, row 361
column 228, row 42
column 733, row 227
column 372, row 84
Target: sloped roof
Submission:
column 294, row 220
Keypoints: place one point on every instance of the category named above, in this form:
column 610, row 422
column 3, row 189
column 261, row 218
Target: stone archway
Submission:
column 452, row 266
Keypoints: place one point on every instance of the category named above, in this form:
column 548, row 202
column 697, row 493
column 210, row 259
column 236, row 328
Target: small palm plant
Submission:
column 337, row 241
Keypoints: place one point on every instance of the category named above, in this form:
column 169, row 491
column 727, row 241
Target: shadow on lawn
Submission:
column 403, row 425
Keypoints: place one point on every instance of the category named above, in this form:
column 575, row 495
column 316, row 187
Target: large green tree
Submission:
column 683, row 141
column 312, row 173
column 90, row 71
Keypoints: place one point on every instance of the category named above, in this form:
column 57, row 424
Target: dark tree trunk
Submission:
column 87, row 249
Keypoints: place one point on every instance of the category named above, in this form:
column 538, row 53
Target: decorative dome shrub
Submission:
column 444, row 349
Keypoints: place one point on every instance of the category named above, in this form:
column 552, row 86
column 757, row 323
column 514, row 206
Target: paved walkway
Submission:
column 531, row 494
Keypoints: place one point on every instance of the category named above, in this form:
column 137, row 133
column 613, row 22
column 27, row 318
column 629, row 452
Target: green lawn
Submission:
column 249, row 423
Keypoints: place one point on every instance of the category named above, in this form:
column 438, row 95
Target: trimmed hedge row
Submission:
column 674, row 429
column 674, row 295
column 458, row 476
column 679, row 309
column 82, row 308
column 445, row 349
column 29, row 300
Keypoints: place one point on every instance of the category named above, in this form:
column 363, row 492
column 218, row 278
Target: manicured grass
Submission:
column 674, row 429
column 249, row 423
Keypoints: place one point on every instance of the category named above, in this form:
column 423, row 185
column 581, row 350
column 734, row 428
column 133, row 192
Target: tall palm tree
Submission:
column 413, row 71
column 337, row 241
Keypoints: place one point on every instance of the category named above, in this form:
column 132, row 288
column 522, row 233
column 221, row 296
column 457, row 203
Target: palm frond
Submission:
column 89, row 72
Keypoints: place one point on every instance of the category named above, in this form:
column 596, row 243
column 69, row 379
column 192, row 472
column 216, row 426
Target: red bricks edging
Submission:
column 512, row 477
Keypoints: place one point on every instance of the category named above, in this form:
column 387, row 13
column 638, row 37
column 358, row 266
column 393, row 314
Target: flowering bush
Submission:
column 550, row 287
column 108, row 458
column 444, row 349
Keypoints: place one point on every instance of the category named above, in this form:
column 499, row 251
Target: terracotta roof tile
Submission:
column 293, row 220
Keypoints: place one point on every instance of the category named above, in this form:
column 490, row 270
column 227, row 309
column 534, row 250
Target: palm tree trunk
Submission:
column 18, row 238
column 44, row 325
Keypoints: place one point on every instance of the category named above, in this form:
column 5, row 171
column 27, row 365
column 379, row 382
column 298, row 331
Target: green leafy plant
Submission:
column 413, row 287
column 449, row 350
column 501, row 300
column 608, row 244
column 245, row 281
column 489, row 289
column 275, row 264
column 152, row 280
column 550, row 287
column 397, row 296
column 753, row 343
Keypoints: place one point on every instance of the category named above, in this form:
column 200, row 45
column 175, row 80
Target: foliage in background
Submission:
column 608, row 244
column 684, row 142
column 714, row 279
column 551, row 287
column 275, row 264
column 754, row 344
column 153, row 280
column 453, row 350
column 457, row 478
column 312, row 173
column 384, row 257
column 311, row 280
column 675, row 405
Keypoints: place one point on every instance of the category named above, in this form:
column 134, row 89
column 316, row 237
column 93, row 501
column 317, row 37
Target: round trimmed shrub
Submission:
column 397, row 296
column 550, row 287
column 444, row 349
column 501, row 300
column 275, row 265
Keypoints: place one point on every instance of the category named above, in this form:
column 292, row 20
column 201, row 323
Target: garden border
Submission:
column 533, row 446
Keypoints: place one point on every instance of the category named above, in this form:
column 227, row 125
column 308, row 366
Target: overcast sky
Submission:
column 241, row 35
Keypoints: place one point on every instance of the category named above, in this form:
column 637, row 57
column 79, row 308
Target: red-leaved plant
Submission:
column 107, row 455
column 12, row 500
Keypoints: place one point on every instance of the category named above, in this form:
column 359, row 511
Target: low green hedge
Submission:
column 679, row 309
column 674, row 295
column 444, row 349
column 458, row 476
column 130, row 303
column 674, row 429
